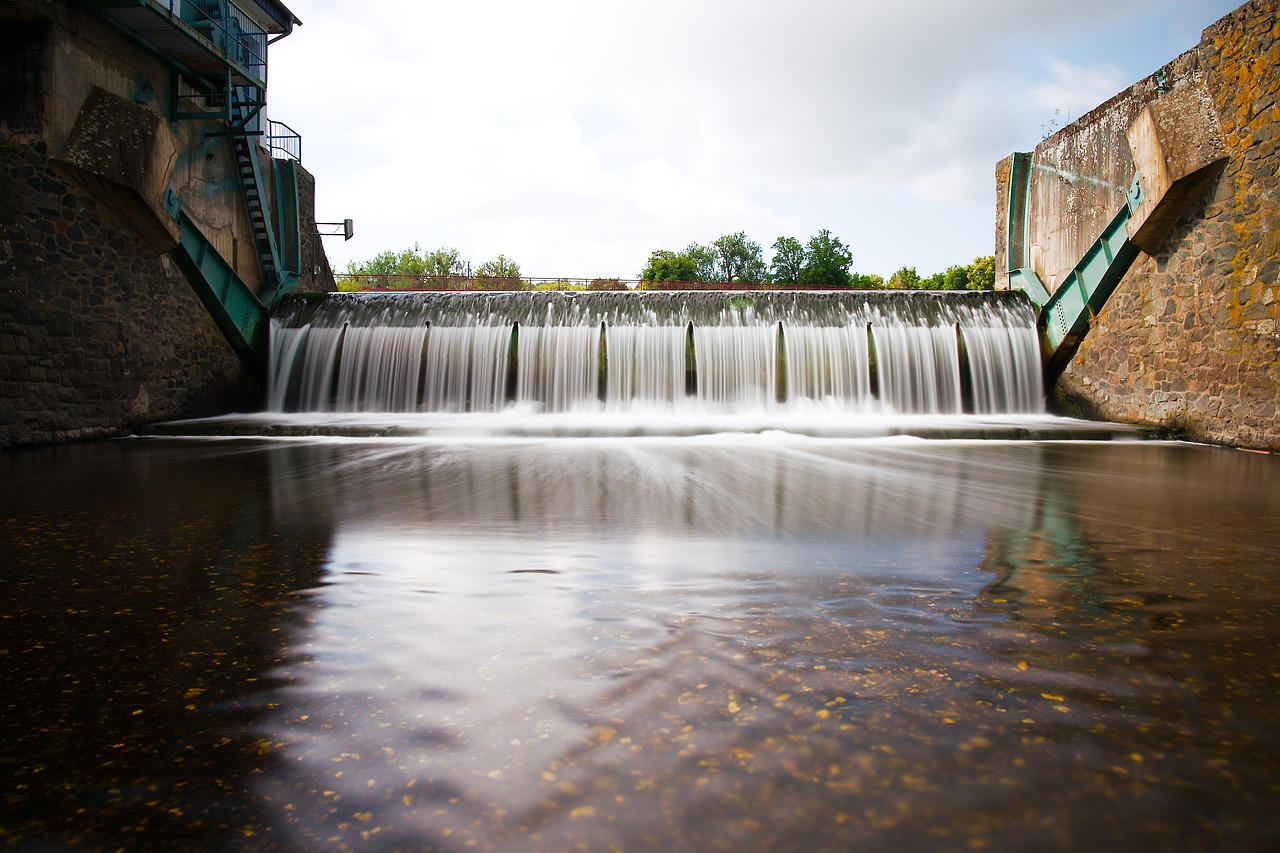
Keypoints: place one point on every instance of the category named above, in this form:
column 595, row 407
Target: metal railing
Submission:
column 405, row 282
column 283, row 142
column 228, row 28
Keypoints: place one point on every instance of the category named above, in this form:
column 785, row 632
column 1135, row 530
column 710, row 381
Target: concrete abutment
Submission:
column 1191, row 337
column 99, row 330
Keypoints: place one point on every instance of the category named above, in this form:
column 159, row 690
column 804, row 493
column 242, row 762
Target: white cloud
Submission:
column 1072, row 90
column 579, row 136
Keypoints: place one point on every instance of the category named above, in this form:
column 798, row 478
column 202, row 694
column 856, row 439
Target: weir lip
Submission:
column 680, row 307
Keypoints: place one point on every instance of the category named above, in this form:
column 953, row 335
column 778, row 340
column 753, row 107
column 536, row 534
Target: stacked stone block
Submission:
column 97, row 333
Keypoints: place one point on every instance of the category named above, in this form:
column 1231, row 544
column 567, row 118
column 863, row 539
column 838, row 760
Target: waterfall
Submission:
column 1004, row 362
column 862, row 351
column 736, row 366
column 645, row 365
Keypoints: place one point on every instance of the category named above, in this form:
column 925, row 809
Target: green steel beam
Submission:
column 1067, row 314
column 288, row 231
column 1017, row 212
column 1028, row 282
column 235, row 308
column 1021, row 276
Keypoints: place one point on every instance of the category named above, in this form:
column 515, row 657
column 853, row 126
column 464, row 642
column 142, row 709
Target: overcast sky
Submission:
column 577, row 137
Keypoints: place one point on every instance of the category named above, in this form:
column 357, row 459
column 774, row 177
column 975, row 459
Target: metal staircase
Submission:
column 217, row 53
column 243, row 112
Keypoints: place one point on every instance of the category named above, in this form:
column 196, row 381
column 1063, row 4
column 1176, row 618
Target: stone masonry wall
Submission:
column 1190, row 339
column 316, row 276
column 98, row 333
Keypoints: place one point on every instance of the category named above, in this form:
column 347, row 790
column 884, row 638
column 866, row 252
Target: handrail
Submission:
column 410, row 282
column 218, row 27
column 229, row 28
column 283, row 142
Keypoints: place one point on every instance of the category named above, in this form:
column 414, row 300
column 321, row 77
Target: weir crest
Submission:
column 714, row 351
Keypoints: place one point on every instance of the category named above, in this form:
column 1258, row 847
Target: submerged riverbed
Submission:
column 730, row 641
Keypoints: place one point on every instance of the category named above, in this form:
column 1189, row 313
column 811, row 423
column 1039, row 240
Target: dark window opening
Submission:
column 21, row 77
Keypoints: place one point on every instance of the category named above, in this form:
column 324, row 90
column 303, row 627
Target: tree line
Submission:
column 823, row 261
column 444, row 262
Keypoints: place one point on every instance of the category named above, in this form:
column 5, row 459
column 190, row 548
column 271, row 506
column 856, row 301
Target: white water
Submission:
column 558, row 366
column 1004, row 364
column 828, row 363
column 462, row 363
column 919, row 368
column 737, row 366
column 646, row 366
column 709, row 353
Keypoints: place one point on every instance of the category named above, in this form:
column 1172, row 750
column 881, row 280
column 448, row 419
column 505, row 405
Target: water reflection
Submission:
column 145, row 589
column 712, row 486
column 726, row 642
column 657, row 643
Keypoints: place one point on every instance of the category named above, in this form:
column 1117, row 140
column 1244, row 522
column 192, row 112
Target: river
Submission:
column 698, row 640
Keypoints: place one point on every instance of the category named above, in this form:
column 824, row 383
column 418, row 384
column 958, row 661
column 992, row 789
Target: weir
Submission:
column 856, row 351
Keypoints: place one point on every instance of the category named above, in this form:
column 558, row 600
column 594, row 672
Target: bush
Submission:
column 606, row 284
column 557, row 285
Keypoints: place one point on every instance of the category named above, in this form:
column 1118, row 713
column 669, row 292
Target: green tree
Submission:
column 866, row 281
column 412, row 261
column 499, row 267
column 981, row 274
column 906, row 279
column 380, row 264
column 788, row 261
column 704, row 260
column 826, row 261
column 695, row 263
column 406, row 262
column 955, row 278
column 737, row 258
column 445, row 263
column 665, row 265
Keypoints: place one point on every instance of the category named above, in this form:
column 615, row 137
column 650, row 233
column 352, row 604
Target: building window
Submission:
column 21, row 77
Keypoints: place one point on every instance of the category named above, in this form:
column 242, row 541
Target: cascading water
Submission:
column 916, row 353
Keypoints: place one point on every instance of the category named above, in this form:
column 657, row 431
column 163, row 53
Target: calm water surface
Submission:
column 731, row 642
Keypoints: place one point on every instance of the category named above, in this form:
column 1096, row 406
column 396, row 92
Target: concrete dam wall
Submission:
column 101, row 331
column 1191, row 337
column 99, row 328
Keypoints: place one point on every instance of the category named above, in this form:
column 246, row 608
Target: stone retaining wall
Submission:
column 99, row 331
column 1191, row 338
column 96, row 332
